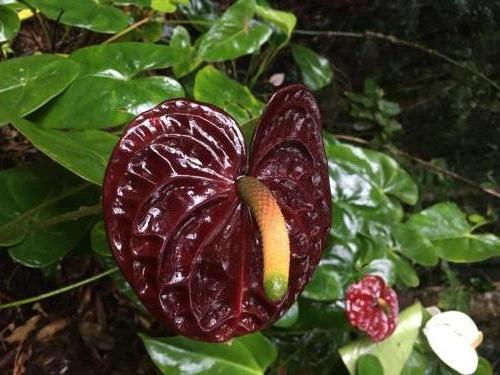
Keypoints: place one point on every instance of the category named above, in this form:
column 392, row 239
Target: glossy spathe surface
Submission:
column 181, row 235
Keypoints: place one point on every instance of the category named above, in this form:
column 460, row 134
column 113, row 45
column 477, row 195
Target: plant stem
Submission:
column 394, row 40
column 127, row 30
column 55, row 292
column 45, row 204
column 190, row 22
column 72, row 215
column 424, row 163
column 45, row 29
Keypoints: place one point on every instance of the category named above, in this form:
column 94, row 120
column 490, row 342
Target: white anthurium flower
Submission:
column 454, row 337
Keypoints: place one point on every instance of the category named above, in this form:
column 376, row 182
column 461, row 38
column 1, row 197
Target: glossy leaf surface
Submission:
column 235, row 34
column 247, row 355
column 452, row 236
column 315, row 69
column 88, row 14
column 188, row 55
column 85, row 152
column 282, row 22
column 27, row 83
column 178, row 229
column 110, row 86
column 393, row 351
column 289, row 318
column 167, row 6
column 235, row 99
column 367, row 190
column 9, row 23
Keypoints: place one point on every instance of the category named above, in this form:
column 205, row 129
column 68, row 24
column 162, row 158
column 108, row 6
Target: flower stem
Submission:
column 55, row 292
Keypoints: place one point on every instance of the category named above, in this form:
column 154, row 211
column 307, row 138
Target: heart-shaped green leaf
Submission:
column 235, row 98
column 108, row 84
column 27, row 83
column 246, row 355
column 85, row 152
column 87, row 14
column 364, row 184
column 235, row 34
column 393, row 351
column 452, row 236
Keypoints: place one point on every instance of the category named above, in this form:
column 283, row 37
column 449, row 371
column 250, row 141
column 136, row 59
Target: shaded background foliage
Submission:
column 402, row 100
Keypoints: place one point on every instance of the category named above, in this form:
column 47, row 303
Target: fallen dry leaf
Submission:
column 48, row 331
column 19, row 334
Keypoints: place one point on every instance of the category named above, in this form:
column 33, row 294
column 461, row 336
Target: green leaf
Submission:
column 388, row 108
column 383, row 268
column 9, row 23
column 335, row 270
column 109, row 73
column 98, row 239
column 368, row 364
column 443, row 220
column 415, row 245
column 290, row 317
column 87, row 14
column 416, row 364
column 189, row 59
column 364, row 184
column 324, row 286
column 394, row 351
column 85, row 153
column 484, row 367
column 284, row 22
column 315, row 69
column 451, row 234
column 246, row 355
column 31, row 197
column 404, row 271
column 235, row 34
column 167, row 6
column 379, row 169
column 27, row 83
column 321, row 315
column 235, row 98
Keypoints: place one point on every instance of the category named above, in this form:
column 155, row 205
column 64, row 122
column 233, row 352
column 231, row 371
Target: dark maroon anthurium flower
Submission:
column 216, row 243
column 372, row 307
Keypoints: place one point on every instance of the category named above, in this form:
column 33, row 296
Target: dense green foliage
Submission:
column 72, row 106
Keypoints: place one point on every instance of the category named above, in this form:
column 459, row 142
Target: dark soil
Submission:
column 92, row 330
